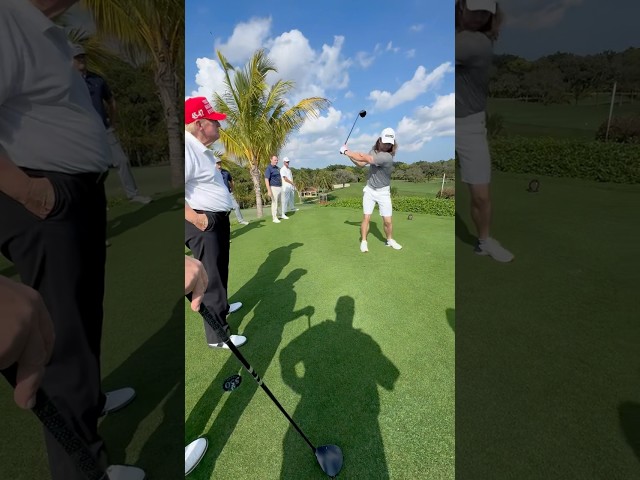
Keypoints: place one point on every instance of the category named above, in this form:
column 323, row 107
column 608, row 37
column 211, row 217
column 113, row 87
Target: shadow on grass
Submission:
column 463, row 232
column 630, row 422
column 274, row 302
column 129, row 220
column 158, row 367
column 339, row 403
column 451, row 318
column 235, row 233
column 373, row 230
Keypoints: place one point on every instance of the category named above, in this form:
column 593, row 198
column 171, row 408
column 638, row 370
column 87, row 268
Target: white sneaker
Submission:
column 244, row 222
column 275, row 220
column 193, row 453
column 393, row 244
column 140, row 199
column 125, row 472
column 117, row 399
column 237, row 340
column 492, row 248
column 364, row 248
column 234, row 307
column 284, row 217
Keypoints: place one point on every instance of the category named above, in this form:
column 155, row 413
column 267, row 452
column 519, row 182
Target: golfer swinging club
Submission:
column 378, row 187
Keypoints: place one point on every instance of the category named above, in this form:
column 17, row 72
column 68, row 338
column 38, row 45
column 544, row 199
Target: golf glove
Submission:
column 343, row 149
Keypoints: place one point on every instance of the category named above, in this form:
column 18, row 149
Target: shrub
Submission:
column 447, row 192
column 394, row 191
column 494, row 124
column 603, row 162
column 622, row 130
column 434, row 206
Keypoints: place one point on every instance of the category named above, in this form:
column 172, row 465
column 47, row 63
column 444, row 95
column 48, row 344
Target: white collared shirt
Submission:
column 47, row 121
column 285, row 172
column 204, row 187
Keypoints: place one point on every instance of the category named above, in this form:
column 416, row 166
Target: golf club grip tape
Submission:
column 54, row 422
column 213, row 323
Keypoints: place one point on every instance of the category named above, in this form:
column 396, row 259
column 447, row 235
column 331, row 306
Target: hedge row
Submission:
column 603, row 162
column 434, row 206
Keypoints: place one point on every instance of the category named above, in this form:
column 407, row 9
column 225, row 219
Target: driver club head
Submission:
column 330, row 459
column 363, row 113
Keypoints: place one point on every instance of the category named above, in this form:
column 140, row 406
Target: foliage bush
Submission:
column 433, row 206
column 494, row 124
column 603, row 162
column 624, row 129
column 447, row 192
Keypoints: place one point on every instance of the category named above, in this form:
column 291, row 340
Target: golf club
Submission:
column 363, row 113
column 329, row 456
column 54, row 422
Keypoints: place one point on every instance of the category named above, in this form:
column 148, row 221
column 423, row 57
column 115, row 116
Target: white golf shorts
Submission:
column 381, row 196
column 473, row 149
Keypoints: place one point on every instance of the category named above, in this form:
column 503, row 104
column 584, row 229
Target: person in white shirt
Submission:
column 288, row 187
column 54, row 156
column 207, row 207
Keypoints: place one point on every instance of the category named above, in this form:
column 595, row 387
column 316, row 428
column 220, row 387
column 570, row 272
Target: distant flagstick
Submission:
column 613, row 99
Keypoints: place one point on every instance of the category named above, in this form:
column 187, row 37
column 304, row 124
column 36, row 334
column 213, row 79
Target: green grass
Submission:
column 405, row 189
column 143, row 318
column 547, row 366
column 563, row 121
column 358, row 348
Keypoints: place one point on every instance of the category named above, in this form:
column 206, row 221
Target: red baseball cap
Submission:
column 196, row 108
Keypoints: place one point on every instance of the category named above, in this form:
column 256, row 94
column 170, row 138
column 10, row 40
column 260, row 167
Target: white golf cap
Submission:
column 285, row 159
column 488, row 5
column 388, row 136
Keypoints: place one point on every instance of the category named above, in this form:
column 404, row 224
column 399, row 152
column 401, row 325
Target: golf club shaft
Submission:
column 354, row 124
column 215, row 324
column 54, row 422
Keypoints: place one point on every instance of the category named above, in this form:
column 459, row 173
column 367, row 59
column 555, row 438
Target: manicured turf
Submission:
column 357, row 347
column 143, row 318
column 547, row 358
column 406, row 189
column 559, row 120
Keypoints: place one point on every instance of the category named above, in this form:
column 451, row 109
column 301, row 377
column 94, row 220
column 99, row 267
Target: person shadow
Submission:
column 373, row 230
column 126, row 221
column 629, row 413
column 158, row 367
column 274, row 311
column 451, row 318
column 236, row 232
column 339, row 403
column 463, row 232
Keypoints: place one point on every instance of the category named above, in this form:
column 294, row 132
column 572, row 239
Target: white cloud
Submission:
column 323, row 124
column 416, row 28
column 349, row 94
column 391, row 48
column 365, row 59
column 410, row 89
column 411, row 53
column 210, row 78
column 247, row 37
column 438, row 120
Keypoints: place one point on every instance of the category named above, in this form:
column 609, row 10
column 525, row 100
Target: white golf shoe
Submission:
column 393, row 244
column 193, row 453
column 237, row 340
column 234, row 307
column 117, row 399
column 364, row 247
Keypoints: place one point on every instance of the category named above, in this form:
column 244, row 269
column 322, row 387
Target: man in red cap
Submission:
column 207, row 206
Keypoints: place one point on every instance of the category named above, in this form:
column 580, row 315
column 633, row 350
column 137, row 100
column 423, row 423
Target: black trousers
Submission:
column 211, row 247
column 63, row 258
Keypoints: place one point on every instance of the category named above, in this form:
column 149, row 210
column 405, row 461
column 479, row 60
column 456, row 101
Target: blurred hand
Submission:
column 343, row 149
column 40, row 197
column 26, row 338
column 201, row 221
column 195, row 281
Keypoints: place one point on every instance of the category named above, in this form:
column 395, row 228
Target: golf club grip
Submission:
column 210, row 319
column 54, row 422
column 213, row 323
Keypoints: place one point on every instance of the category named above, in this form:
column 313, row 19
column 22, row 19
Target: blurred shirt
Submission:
column 273, row 175
column 204, row 187
column 474, row 55
column 285, row 172
column 380, row 170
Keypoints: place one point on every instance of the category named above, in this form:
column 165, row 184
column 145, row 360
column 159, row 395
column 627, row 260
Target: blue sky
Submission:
column 393, row 59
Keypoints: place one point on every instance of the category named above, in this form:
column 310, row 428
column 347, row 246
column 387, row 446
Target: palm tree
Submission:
column 151, row 30
column 259, row 119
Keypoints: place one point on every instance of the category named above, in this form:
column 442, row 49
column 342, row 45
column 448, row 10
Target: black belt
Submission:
column 88, row 177
column 222, row 214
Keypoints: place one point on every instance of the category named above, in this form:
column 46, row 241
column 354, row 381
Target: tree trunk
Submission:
column 255, row 177
column 165, row 81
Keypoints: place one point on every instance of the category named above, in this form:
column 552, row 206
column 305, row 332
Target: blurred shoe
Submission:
column 275, row 220
column 364, row 248
column 234, row 307
column 140, row 199
column 284, row 217
column 492, row 248
column 393, row 244
column 193, row 453
column 125, row 472
column 243, row 222
column 237, row 340
column 118, row 399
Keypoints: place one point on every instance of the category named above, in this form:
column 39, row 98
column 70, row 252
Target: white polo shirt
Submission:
column 47, row 121
column 204, row 188
column 285, row 172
